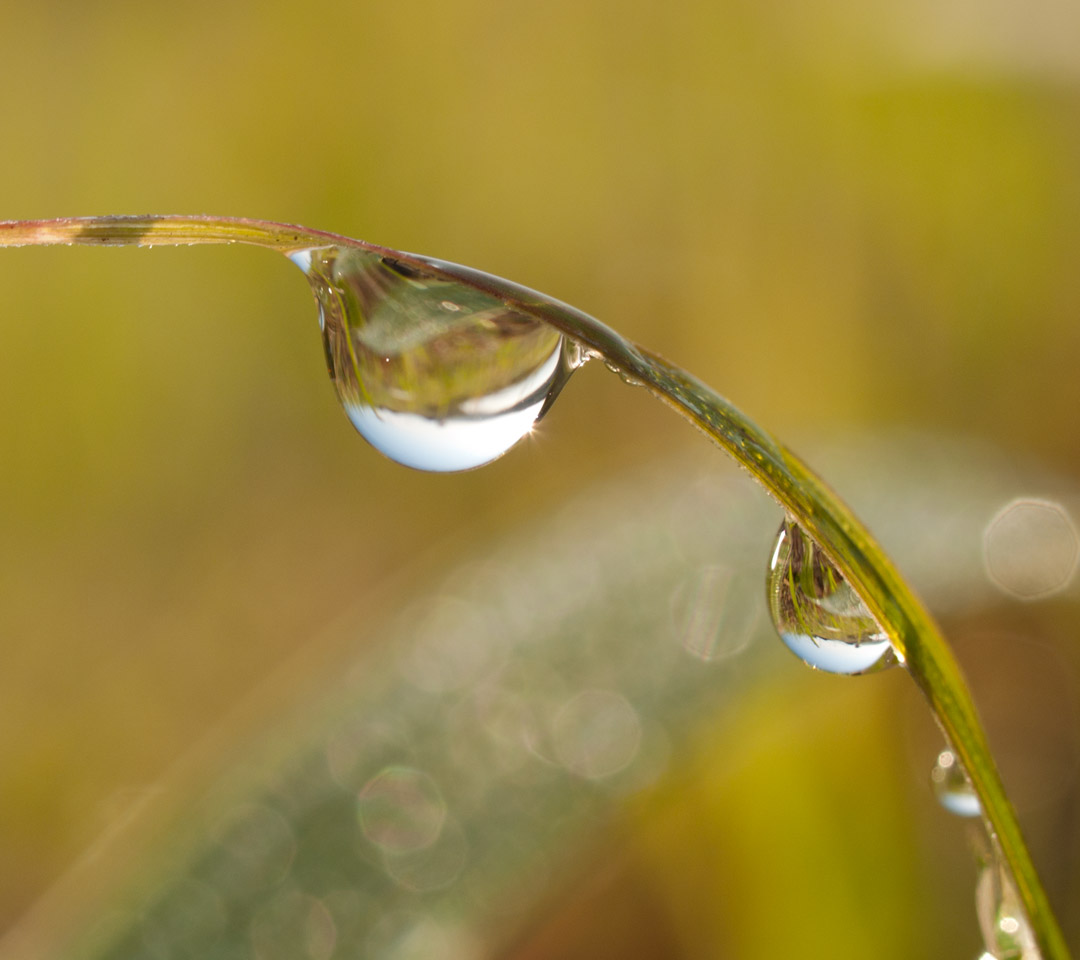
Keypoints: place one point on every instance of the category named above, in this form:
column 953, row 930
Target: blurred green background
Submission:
column 846, row 217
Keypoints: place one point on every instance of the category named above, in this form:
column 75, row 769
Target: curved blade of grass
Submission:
column 802, row 493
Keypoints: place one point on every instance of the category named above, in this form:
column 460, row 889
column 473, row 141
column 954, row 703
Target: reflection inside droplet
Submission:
column 434, row 374
column 820, row 618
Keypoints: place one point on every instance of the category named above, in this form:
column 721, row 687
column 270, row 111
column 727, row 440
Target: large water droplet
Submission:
column 434, row 374
column 952, row 788
column 818, row 615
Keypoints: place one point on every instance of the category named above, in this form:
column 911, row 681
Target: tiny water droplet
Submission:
column 628, row 379
column 1006, row 932
column 820, row 618
column 434, row 374
column 952, row 788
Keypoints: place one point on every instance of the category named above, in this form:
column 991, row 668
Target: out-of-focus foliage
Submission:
column 597, row 709
column 840, row 215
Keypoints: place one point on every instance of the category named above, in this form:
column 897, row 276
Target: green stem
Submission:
column 803, row 495
column 145, row 231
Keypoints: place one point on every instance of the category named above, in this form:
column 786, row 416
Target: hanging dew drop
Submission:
column 1006, row 932
column 820, row 618
column 434, row 374
column 951, row 786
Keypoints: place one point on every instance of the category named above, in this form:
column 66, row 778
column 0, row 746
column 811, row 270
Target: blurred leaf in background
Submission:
column 845, row 217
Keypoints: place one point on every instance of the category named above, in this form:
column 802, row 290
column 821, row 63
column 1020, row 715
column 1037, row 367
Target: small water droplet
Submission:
column 952, row 788
column 820, row 618
column 434, row 374
column 1005, row 930
column 626, row 378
